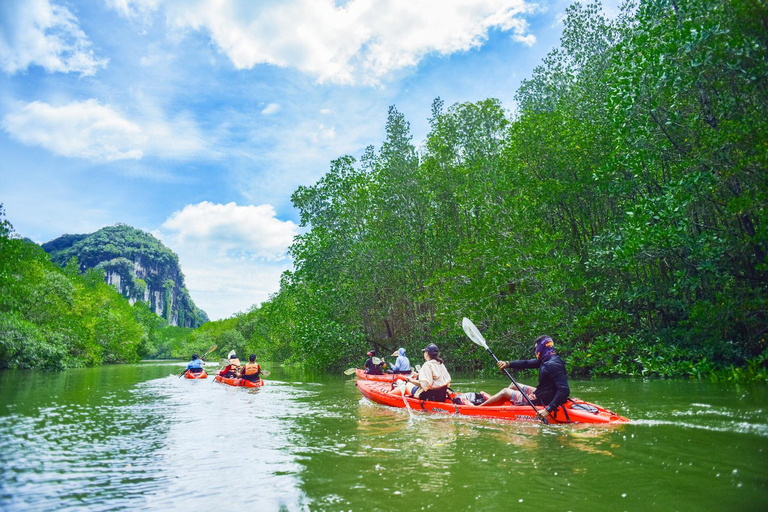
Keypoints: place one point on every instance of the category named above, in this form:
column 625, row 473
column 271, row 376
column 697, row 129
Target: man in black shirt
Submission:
column 552, row 390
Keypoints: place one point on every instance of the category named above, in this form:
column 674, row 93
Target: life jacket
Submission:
column 234, row 362
column 251, row 369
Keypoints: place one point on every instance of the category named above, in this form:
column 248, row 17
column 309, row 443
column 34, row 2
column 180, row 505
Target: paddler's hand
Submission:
column 543, row 414
column 502, row 364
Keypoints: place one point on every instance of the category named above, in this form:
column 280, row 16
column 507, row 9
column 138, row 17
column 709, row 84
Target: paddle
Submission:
column 375, row 360
column 209, row 351
column 401, row 387
column 475, row 336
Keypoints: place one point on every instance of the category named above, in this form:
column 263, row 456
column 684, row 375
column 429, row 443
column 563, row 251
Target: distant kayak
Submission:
column 387, row 377
column 576, row 411
column 200, row 375
column 242, row 383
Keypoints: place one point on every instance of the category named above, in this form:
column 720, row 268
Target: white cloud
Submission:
column 97, row 132
column 359, row 42
column 38, row 32
column 271, row 109
column 323, row 134
column 250, row 232
column 85, row 130
column 232, row 256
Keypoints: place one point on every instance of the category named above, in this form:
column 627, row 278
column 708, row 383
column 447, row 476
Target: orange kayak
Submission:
column 576, row 411
column 242, row 383
column 201, row 375
column 387, row 377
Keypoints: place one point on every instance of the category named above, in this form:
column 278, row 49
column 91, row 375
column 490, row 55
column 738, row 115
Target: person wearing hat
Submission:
column 402, row 364
column 370, row 367
column 553, row 389
column 251, row 371
column 232, row 369
column 432, row 381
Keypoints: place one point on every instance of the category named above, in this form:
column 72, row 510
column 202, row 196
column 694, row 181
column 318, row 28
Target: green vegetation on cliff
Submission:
column 138, row 265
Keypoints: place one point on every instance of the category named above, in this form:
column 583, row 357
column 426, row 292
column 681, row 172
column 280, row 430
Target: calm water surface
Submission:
column 135, row 436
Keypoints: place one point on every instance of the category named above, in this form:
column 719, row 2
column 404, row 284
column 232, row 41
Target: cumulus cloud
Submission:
column 41, row 33
column 99, row 133
column 84, row 129
column 251, row 232
column 360, row 41
column 232, row 256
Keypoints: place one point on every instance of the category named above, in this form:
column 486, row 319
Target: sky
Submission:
column 195, row 120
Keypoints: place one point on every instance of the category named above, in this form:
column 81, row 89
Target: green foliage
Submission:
column 138, row 264
column 621, row 210
column 54, row 318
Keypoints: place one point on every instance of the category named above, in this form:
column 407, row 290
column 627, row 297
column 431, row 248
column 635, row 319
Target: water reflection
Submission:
column 139, row 437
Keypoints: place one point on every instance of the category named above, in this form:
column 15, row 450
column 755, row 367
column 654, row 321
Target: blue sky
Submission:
column 196, row 119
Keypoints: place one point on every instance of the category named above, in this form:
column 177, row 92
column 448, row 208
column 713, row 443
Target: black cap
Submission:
column 252, row 357
column 431, row 349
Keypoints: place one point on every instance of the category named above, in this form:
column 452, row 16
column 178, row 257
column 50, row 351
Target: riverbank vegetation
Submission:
column 54, row 317
column 620, row 209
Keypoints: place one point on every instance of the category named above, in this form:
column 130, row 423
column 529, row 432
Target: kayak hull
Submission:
column 195, row 376
column 387, row 377
column 578, row 410
column 240, row 383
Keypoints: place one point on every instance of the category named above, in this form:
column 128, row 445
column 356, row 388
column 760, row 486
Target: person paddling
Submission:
column 402, row 364
column 433, row 378
column 553, row 389
column 372, row 368
column 231, row 370
column 196, row 365
column 251, row 371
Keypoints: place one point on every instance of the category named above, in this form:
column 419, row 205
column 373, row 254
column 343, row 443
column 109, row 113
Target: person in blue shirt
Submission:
column 402, row 364
column 196, row 365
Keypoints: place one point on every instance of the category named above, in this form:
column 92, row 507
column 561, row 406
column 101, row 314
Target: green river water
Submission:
column 137, row 437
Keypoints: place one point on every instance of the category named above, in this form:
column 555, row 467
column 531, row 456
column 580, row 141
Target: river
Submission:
column 138, row 437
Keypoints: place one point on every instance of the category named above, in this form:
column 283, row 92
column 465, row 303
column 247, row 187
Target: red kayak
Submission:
column 576, row 411
column 242, row 383
column 387, row 377
column 200, row 375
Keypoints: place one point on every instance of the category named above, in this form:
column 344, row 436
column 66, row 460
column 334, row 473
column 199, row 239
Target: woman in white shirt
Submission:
column 432, row 381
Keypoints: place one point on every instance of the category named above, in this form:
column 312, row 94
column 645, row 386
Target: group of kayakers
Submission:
column 234, row 370
column 250, row 371
column 376, row 366
column 432, row 381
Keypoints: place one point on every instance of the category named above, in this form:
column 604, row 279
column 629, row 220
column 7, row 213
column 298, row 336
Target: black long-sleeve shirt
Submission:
column 372, row 369
column 553, row 389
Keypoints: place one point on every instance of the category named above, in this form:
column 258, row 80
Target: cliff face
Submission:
column 138, row 265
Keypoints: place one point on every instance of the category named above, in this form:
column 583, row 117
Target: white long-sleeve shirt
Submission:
column 433, row 375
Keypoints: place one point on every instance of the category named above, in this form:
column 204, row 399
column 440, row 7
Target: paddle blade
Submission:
column 376, row 360
column 265, row 373
column 473, row 333
column 417, row 368
column 350, row 371
column 211, row 350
